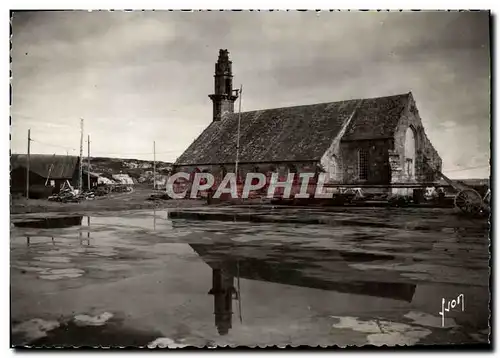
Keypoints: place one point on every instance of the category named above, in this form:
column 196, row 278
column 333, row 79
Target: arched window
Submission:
column 334, row 168
column 362, row 164
column 410, row 152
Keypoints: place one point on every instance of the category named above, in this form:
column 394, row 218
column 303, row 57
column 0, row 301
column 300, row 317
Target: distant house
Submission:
column 94, row 179
column 50, row 170
column 123, row 179
column 161, row 181
column 102, row 180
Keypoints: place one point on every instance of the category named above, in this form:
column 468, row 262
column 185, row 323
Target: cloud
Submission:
column 155, row 69
column 448, row 124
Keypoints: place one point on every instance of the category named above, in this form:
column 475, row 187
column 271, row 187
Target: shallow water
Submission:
column 272, row 277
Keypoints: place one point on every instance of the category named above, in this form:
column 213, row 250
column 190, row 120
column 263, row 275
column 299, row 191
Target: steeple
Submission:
column 223, row 291
column 224, row 96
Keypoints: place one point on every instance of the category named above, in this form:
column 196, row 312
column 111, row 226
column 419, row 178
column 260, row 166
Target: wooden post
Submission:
column 154, row 165
column 50, row 169
column 88, row 162
column 80, row 181
column 238, row 137
column 28, row 167
column 154, row 219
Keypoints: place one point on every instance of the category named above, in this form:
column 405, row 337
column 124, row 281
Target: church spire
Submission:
column 224, row 96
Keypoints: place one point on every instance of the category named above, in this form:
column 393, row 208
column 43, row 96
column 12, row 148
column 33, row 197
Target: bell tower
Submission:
column 224, row 96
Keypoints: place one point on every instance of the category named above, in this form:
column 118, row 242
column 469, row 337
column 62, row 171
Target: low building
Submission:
column 103, row 180
column 94, row 179
column 44, row 170
column 123, row 179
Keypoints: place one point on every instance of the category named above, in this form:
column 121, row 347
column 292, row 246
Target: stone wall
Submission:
column 283, row 168
column 332, row 161
column 342, row 168
column 411, row 118
column 378, row 161
column 386, row 158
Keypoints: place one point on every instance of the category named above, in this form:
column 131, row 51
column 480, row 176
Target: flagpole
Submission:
column 238, row 136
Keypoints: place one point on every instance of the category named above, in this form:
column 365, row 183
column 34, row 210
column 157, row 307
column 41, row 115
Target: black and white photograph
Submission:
column 209, row 179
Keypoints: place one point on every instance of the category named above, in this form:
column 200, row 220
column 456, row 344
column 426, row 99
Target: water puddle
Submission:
column 230, row 260
column 364, row 257
column 99, row 320
column 33, row 329
column 53, row 259
column 58, row 274
column 382, row 332
column 71, row 335
column 165, row 342
column 149, row 279
column 284, row 218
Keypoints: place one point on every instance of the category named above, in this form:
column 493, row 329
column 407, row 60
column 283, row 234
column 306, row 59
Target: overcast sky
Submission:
column 139, row 77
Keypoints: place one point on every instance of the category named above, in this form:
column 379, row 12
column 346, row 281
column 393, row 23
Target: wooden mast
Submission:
column 238, row 136
column 28, row 166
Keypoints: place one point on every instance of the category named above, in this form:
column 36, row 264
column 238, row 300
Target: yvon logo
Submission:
column 458, row 303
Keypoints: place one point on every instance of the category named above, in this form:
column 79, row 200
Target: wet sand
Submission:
column 136, row 200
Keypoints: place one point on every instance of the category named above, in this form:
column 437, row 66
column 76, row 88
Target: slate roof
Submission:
column 300, row 133
column 64, row 165
column 376, row 118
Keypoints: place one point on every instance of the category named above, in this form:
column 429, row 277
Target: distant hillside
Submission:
column 474, row 182
column 470, row 182
column 141, row 170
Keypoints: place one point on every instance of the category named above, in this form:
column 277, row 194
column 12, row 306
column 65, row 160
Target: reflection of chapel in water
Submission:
column 224, row 292
column 228, row 268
